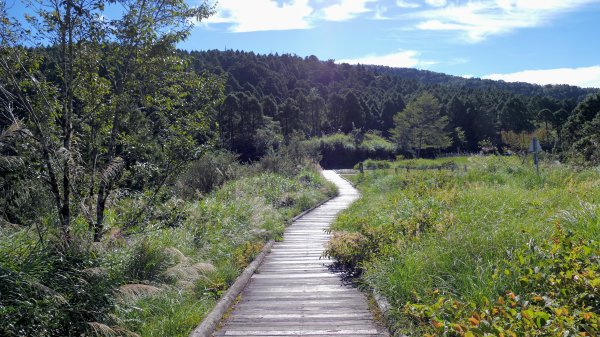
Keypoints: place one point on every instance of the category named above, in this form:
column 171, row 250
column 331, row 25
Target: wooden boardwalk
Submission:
column 293, row 293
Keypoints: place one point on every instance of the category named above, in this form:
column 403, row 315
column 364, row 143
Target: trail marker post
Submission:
column 535, row 147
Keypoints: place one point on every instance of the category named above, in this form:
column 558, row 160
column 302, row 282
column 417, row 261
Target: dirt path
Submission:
column 293, row 293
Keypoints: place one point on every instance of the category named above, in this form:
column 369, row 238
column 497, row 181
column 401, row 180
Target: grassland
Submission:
column 470, row 252
column 157, row 280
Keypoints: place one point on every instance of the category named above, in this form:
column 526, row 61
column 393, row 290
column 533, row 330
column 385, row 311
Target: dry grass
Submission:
column 135, row 291
column 103, row 330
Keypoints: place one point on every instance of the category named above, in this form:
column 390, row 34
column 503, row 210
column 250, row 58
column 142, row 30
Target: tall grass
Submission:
column 450, row 232
column 159, row 278
column 221, row 235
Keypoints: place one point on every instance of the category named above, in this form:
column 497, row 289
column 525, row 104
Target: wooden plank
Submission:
column 294, row 293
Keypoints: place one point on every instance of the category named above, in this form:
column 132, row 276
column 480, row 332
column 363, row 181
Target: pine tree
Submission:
column 420, row 126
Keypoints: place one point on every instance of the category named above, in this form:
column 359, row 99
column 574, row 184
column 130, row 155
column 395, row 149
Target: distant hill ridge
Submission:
column 558, row 91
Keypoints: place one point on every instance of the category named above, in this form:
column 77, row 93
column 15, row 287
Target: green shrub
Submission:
column 344, row 150
column 51, row 290
column 215, row 283
column 556, row 287
column 208, row 172
column 147, row 262
column 370, row 164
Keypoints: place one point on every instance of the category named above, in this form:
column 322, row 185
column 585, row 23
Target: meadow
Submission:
column 493, row 250
column 159, row 279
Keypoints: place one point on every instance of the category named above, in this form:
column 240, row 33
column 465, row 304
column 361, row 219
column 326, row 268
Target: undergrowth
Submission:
column 481, row 252
column 159, row 277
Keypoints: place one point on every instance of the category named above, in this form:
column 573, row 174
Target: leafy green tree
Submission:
column 269, row 106
column 228, row 118
column 107, row 97
column 421, row 126
column 353, row 114
column 582, row 131
column 316, row 111
column 289, row 117
column 514, row 115
column 560, row 116
column 391, row 107
column 334, row 115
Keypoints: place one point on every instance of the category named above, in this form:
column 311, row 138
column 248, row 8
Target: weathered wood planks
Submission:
column 294, row 293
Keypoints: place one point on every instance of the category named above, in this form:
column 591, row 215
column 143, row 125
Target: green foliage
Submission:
column 556, row 294
column 158, row 279
column 420, row 126
column 147, row 262
column 215, row 283
column 442, row 245
column 342, row 150
column 47, row 291
column 375, row 164
column 105, row 101
column 170, row 313
column 207, row 173
column 582, row 130
column 320, row 98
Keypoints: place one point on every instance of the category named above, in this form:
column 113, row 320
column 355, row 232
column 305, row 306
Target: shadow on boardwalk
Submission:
column 296, row 292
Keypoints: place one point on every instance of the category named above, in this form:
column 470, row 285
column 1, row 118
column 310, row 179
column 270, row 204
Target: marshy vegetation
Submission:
column 495, row 249
column 160, row 278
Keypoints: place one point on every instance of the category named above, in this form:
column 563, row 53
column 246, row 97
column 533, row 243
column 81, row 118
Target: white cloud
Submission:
column 583, row 77
column 405, row 58
column 380, row 13
column 436, row 3
column 260, row 15
column 477, row 20
column 407, row 4
column 345, row 10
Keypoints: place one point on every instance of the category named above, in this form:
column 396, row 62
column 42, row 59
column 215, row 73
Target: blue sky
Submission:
column 537, row 41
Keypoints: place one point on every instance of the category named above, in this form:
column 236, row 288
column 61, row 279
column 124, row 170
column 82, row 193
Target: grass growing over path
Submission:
column 443, row 246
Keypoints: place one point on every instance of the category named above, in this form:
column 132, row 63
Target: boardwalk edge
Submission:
column 211, row 321
column 384, row 307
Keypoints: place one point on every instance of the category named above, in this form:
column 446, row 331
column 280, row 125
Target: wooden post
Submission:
column 396, row 170
column 361, row 168
column 535, row 155
column 535, row 148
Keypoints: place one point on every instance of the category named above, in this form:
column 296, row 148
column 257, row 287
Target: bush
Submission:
column 341, row 150
column 207, row 173
column 147, row 262
column 556, row 287
column 370, row 164
column 50, row 290
column 290, row 159
column 215, row 283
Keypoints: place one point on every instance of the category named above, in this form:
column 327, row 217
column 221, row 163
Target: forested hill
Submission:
column 279, row 95
column 560, row 91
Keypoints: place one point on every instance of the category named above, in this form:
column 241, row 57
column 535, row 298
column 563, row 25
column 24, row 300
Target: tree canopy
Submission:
column 421, row 126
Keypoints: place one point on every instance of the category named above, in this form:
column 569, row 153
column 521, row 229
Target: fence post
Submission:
column 361, row 168
column 396, row 170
